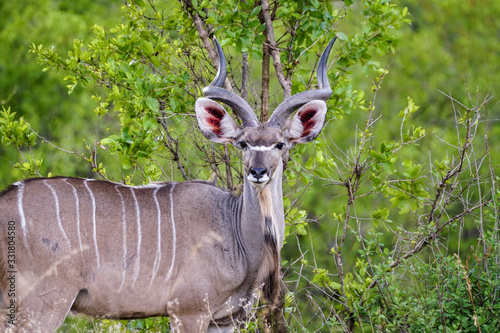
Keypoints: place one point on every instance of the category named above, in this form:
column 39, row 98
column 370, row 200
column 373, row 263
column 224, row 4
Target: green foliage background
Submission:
column 392, row 213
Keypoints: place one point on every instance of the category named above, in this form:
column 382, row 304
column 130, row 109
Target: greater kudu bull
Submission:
column 186, row 250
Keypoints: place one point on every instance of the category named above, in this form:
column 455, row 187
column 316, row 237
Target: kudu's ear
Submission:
column 214, row 121
column 307, row 123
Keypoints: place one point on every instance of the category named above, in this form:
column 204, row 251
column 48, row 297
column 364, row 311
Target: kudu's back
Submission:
column 116, row 251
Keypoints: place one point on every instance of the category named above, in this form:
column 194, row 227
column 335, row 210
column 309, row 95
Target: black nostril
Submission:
column 258, row 172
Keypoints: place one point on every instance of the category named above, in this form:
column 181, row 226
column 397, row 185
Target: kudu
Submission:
column 187, row 250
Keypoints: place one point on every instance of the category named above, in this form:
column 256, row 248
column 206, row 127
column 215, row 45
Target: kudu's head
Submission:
column 263, row 144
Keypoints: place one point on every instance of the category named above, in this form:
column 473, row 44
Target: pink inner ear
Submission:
column 215, row 119
column 307, row 120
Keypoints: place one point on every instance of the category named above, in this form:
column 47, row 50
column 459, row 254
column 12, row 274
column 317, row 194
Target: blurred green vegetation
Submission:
column 42, row 97
column 393, row 212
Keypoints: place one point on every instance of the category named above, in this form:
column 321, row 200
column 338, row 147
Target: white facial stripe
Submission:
column 260, row 148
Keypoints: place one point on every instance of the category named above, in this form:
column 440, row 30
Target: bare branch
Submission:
column 274, row 50
column 47, row 141
column 244, row 76
column 264, row 97
column 200, row 25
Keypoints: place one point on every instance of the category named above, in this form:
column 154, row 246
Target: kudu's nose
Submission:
column 258, row 173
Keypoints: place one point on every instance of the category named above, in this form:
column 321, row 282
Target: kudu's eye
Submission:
column 242, row 144
column 280, row 145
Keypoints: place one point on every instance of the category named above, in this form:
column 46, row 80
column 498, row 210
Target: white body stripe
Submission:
column 174, row 239
column 139, row 237
column 158, row 248
column 124, row 230
column 20, row 192
column 58, row 213
column 93, row 222
column 77, row 205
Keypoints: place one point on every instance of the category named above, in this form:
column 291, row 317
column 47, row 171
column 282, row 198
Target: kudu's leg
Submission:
column 220, row 329
column 45, row 307
column 197, row 323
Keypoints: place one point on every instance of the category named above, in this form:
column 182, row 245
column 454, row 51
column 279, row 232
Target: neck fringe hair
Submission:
column 272, row 283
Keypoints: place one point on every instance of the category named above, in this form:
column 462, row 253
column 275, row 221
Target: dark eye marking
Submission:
column 242, row 144
column 280, row 145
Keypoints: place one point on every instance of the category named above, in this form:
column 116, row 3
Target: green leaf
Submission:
column 153, row 103
column 255, row 12
column 342, row 36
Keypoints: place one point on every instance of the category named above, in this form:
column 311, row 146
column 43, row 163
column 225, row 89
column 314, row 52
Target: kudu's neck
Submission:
column 259, row 204
column 263, row 228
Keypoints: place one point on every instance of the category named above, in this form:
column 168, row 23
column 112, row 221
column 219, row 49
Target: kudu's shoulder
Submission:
column 204, row 193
